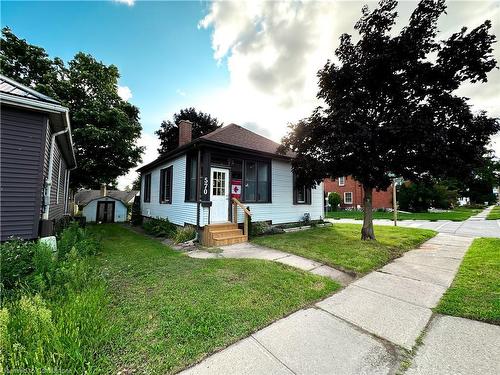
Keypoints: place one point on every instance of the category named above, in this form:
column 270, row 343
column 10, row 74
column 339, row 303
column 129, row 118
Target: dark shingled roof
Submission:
column 229, row 135
column 83, row 197
column 236, row 135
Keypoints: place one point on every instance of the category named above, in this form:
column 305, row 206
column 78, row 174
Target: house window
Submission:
column 257, row 182
column 219, row 183
column 342, row 181
column 147, row 188
column 166, row 185
column 301, row 194
column 348, row 197
column 192, row 169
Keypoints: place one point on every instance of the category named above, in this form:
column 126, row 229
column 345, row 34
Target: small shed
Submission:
column 105, row 206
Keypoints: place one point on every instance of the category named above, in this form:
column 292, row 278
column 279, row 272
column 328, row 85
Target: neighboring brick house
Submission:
column 351, row 193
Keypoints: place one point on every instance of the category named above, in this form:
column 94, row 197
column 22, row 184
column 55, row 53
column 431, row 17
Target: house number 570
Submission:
column 205, row 186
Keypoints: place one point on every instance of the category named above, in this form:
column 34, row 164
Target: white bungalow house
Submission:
column 204, row 181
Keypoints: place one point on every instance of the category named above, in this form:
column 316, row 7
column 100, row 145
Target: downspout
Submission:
column 48, row 182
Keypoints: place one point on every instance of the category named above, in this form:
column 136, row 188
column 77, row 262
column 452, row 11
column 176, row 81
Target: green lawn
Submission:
column 475, row 292
column 340, row 245
column 494, row 214
column 457, row 214
column 169, row 310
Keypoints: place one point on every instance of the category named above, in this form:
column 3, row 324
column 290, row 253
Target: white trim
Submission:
column 342, row 178
column 345, row 200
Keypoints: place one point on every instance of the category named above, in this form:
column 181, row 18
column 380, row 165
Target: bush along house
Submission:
column 36, row 154
column 217, row 181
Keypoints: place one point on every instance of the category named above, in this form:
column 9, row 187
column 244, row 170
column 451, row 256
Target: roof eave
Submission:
column 58, row 114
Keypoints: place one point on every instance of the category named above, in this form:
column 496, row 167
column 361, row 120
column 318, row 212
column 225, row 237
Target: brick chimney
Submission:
column 185, row 132
column 103, row 190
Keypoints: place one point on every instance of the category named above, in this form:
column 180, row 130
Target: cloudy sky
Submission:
column 251, row 63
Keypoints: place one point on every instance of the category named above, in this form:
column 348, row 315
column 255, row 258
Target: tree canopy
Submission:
column 105, row 128
column 390, row 106
column 168, row 133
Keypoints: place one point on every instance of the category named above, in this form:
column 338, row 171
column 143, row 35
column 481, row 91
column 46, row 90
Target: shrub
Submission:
column 68, row 238
column 334, row 200
column 16, row 261
column 159, row 227
column 259, row 228
column 184, row 234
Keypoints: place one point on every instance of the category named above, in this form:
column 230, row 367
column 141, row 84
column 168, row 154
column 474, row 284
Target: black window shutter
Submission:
column 308, row 195
column 169, row 177
column 294, row 190
column 162, row 186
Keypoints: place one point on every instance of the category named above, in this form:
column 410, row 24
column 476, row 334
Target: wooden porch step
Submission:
column 229, row 240
column 226, row 233
column 221, row 226
column 223, row 234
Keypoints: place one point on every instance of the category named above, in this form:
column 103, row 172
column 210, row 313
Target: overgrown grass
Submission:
column 54, row 307
column 494, row 214
column 340, row 245
column 170, row 310
column 475, row 292
column 457, row 214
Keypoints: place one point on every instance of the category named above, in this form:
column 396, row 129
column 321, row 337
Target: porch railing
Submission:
column 236, row 203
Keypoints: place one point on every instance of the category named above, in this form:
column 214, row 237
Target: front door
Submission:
column 105, row 212
column 219, row 195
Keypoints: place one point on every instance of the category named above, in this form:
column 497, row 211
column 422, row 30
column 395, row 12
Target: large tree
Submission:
column 168, row 133
column 105, row 128
column 390, row 106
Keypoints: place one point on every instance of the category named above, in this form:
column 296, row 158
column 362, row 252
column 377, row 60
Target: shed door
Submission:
column 106, row 212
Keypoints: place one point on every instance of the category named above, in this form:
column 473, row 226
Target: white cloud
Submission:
column 151, row 144
column 180, row 92
column 128, row 2
column 124, row 92
column 273, row 51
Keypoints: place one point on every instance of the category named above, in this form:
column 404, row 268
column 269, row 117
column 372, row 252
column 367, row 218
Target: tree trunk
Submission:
column 367, row 232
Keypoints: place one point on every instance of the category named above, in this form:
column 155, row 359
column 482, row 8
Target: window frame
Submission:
column 244, row 181
column 146, row 187
column 166, row 185
column 352, row 197
column 307, row 193
column 343, row 181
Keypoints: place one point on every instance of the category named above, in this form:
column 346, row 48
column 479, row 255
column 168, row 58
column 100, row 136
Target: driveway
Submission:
column 475, row 226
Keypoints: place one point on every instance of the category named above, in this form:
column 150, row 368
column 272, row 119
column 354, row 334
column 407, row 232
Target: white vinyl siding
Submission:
column 281, row 209
column 179, row 212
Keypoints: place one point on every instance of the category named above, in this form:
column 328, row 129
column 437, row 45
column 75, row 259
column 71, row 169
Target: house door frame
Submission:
column 219, row 211
column 106, row 205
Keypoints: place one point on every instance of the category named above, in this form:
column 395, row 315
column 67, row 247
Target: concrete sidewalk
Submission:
column 251, row 251
column 475, row 226
column 360, row 330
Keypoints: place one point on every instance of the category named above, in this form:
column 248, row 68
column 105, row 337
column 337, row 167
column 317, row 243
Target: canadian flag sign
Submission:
column 236, row 189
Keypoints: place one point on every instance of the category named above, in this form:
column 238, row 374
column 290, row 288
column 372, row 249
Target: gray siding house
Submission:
column 36, row 157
